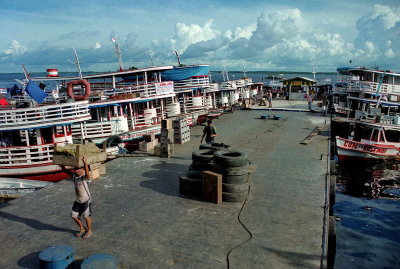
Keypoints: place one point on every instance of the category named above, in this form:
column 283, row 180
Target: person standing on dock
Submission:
column 269, row 98
column 82, row 204
column 209, row 133
column 310, row 97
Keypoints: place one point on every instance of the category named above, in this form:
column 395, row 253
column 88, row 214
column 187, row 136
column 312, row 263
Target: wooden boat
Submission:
column 15, row 187
column 369, row 141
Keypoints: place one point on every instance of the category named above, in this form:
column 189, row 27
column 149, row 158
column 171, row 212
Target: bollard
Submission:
column 56, row 257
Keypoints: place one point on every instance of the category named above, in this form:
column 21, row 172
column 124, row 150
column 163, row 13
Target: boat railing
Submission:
column 14, row 119
column 91, row 130
column 144, row 120
column 142, row 90
column 193, row 82
column 26, row 155
column 369, row 86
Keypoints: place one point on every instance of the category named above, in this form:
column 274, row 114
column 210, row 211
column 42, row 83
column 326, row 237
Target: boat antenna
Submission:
column 27, row 75
column 177, row 56
column 118, row 51
column 244, row 70
column 78, row 65
column 313, row 72
column 152, row 59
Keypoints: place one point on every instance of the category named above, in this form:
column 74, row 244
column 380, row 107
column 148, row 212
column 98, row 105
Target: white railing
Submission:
column 92, row 130
column 143, row 90
column 194, row 82
column 367, row 86
column 26, row 155
column 14, row 119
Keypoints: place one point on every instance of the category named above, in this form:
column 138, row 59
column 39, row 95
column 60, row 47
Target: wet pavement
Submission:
column 140, row 217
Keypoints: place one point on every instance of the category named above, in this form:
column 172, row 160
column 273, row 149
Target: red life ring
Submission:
column 70, row 89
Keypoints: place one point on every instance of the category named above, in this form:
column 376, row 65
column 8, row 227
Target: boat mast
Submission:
column 177, row 56
column 118, row 51
column 244, row 70
column 77, row 63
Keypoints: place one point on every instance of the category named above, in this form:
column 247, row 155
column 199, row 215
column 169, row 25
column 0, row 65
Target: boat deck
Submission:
column 140, row 217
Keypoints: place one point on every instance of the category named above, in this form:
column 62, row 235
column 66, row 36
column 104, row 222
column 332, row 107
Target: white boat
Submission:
column 369, row 141
column 29, row 130
column 15, row 187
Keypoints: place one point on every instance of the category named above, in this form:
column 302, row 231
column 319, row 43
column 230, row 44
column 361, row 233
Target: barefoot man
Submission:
column 82, row 204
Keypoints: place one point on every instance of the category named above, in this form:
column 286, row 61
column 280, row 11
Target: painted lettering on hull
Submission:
column 364, row 147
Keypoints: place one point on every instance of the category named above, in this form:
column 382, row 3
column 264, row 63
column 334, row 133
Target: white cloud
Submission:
column 191, row 34
column 15, row 48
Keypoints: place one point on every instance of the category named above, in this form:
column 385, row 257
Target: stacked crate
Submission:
column 181, row 131
column 166, row 148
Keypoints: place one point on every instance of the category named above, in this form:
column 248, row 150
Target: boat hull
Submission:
column 348, row 149
column 49, row 172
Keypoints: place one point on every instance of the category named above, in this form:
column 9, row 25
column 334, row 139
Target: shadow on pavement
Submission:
column 35, row 224
column 295, row 258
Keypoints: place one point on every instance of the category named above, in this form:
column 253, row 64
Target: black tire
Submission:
column 332, row 227
column 234, row 197
column 235, row 188
column 203, row 156
column 230, row 158
column 191, row 183
column 235, row 179
column 213, row 146
column 113, row 141
column 332, row 190
column 201, row 167
column 195, row 174
column 231, row 171
column 332, row 165
column 190, row 192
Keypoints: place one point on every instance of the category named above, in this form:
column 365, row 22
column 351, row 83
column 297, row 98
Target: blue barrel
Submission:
column 100, row 261
column 56, row 257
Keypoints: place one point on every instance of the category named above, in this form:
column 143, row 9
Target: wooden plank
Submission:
column 311, row 135
column 212, row 187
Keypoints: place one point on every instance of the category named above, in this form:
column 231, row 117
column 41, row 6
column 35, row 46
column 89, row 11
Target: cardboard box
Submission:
column 167, row 133
column 94, row 174
column 72, row 155
column 157, row 151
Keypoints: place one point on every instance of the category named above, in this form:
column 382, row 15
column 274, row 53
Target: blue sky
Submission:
column 262, row 35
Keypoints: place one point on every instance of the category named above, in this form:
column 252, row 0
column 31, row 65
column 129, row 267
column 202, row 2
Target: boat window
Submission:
column 47, row 135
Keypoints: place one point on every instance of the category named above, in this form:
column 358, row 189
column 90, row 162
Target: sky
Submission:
column 291, row 35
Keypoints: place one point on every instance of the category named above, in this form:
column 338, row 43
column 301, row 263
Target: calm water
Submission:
column 367, row 201
column 367, row 210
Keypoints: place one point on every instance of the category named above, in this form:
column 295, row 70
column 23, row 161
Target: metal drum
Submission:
column 56, row 257
column 100, row 261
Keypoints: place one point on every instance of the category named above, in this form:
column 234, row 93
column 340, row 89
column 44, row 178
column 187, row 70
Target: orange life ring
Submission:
column 70, row 89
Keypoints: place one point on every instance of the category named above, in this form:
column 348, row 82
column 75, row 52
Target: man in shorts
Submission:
column 209, row 133
column 82, row 204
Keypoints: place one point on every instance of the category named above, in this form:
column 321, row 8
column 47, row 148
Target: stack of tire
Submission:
column 192, row 183
column 235, row 169
column 214, row 146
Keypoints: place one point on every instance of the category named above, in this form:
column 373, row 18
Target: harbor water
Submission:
column 367, row 212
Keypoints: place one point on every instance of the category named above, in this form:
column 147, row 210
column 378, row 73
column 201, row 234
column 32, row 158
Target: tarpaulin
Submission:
column 35, row 92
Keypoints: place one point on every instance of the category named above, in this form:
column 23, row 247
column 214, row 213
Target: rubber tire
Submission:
column 235, row 179
column 190, row 192
column 191, row 183
column 332, row 165
column 331, row 227
column 230, row 158
column 235, row 188
column 232, row 171
column 201, row 167
column 195, row 174
column 332, row 190
column 213, row 146
column 234, row 197
column 203, row 156
column 113, row 141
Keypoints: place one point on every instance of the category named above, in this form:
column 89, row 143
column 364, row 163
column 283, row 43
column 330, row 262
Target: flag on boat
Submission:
column 35, row 92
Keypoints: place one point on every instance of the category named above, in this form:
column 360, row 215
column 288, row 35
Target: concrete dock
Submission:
column 140, row 217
